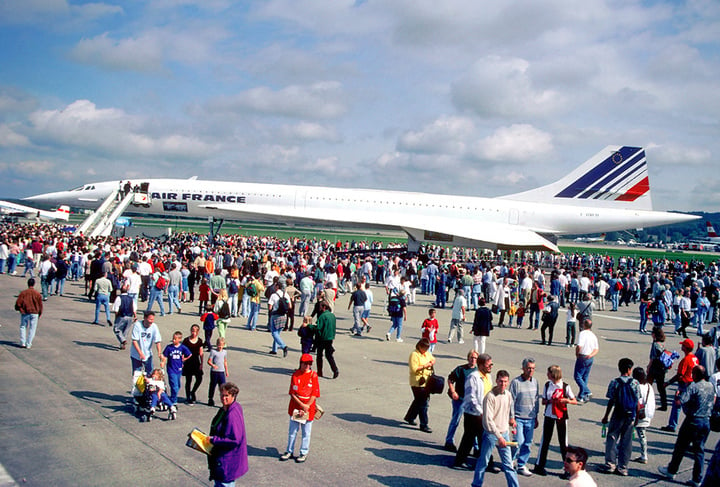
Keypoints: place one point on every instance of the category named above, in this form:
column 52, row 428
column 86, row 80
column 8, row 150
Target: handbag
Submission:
column 435, row 384
column 641, row 407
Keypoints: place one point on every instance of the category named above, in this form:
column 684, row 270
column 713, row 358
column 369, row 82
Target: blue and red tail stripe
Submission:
column 622, row 176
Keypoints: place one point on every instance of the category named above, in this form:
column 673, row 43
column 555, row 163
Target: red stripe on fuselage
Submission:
column 636, row 191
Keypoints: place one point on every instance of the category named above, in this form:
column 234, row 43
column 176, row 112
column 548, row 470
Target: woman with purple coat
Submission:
column 228, row 460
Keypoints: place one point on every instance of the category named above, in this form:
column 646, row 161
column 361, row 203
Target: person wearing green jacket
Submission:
column 325, row 333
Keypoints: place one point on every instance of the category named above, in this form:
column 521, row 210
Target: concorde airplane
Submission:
column 13, row 209
column 609, row 192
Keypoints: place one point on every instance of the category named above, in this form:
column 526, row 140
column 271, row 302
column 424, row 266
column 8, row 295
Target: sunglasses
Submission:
column 571, row 460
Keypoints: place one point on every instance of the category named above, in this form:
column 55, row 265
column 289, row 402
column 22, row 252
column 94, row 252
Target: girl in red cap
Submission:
column 304, row 389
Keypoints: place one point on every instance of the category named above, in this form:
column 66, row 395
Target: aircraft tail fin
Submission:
column 710, row 230
column 615, row 177
column 63, row 213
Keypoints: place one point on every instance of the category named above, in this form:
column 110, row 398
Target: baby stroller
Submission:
column 143, row 392
column 141, row 400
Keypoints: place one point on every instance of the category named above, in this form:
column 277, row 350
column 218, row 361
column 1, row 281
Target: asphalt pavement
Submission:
column 66, row 416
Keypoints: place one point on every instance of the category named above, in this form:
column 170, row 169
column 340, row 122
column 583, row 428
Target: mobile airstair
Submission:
column 101, row 222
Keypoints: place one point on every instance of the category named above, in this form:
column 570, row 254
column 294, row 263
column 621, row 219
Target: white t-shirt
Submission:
column 587, row 341
column 458, row 304
column 548, row 393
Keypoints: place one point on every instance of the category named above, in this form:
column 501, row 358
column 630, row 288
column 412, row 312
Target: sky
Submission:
column 480, row 98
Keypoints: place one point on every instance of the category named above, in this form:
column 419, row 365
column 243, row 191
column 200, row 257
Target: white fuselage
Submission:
column 201, row 198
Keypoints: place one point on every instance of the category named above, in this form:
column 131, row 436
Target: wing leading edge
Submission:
column 449, row 231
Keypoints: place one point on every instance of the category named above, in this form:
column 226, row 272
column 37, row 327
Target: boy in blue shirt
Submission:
column 176, row 354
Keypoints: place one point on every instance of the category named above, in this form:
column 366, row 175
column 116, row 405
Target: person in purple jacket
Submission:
column 228, row 460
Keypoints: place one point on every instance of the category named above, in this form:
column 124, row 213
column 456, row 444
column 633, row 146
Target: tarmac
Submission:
column 66, row 415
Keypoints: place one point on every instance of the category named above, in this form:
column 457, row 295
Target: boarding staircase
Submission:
column 101, row 222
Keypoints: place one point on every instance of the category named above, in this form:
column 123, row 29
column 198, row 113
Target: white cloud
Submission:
column 10, row 138
column 518, row 142
column 26, row 169
column 83, row 126
column 137, row 54
column 316, row 101
column 53, row 11
column 497, row 86
column 445, row 135
column 149, row 51
column 678, row 155
column 310, row 131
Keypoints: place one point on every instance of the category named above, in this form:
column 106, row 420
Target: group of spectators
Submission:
column 234, row 275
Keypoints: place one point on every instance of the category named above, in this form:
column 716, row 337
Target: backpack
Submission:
column 394, row 307
column 269, row 291
column 283, row 307
column 618, row 285
column 627, row 401
column 161, row 283
column 232, row 287
column 224, row 312
column 250, row 290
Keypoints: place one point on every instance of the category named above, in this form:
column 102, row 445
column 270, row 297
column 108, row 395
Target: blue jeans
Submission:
column 45, row 286
column 252, row 319
column 60, row 286
column 12, row 263
column 139, row 364
column 524, row 438
column 693, row 434
column 397, row 323
column 306, row 433
column 28, row 326
column 173, row 298
column 614, row 299
column 174, row 383
column 488, row 443
column 102, row 300
column 277, row 341
column 643, row 316
column 154, row 400
column 581, row 373
column 675, row 411
column 454, row 420
column 156, row 295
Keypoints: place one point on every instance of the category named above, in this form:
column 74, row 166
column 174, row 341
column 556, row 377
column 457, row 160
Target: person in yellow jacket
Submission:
column 420, row 364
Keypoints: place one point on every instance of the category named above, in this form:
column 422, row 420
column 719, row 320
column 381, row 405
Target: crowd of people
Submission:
column 232, row 277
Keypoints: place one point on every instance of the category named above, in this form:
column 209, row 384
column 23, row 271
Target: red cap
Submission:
column 687, row 343
column 306, row 357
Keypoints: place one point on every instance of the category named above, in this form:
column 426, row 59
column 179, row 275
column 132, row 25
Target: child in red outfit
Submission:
column 430, row 329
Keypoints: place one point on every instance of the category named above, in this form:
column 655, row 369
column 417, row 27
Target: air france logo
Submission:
column 220, row 198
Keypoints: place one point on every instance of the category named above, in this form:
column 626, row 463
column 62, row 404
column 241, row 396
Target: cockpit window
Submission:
column 80, row 188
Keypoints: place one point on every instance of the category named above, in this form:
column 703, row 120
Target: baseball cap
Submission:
column 688, row 343
column 306, row 357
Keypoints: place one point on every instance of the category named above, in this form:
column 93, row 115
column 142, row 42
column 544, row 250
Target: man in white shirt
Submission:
column 458, row 316
column 574, row 463
column 587, row 347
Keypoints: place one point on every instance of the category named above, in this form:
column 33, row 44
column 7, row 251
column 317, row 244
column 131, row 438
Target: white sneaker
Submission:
column 524, row 471
column 461, row 342
column 665, row 472
column 387, row 337
column 400, row 340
